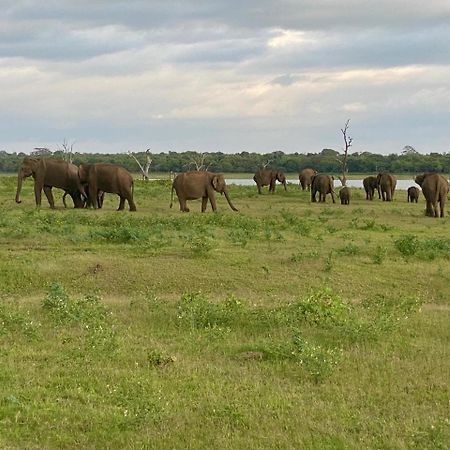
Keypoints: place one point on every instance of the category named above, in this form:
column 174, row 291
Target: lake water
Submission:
column 401, row 184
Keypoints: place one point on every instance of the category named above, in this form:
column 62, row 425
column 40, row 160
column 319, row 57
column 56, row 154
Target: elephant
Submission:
column 85, row 201
column 345, row 195
column 386, row 183
column 49, row 173
column 370, row 184
column 323, row 184
column 267, row 177
column 108, row 178
column 199, row 184
column 413, row 194
column 434, row 189
column 305, row 177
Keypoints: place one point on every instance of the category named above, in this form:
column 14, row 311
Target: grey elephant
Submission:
column 108, row 178
column 345, row 195
column 413, row 194
column 49, row 173
column 199, row 184
column 387, row 183
column 434, row 189
column 305, row 178
column 370, row 184
column 322, row 184
column 267, row 177
column 85, row 200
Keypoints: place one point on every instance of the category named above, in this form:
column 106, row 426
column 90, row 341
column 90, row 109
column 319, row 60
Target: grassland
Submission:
column 286, row 325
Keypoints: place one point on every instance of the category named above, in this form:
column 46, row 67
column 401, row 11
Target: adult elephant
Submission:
column 305, row 178
column 434, row 189
column 49, row 173
column 267, row 177
column 322, row 184
column 108, row 178
column 370, row 184
column 386, row 183
column 199, row 184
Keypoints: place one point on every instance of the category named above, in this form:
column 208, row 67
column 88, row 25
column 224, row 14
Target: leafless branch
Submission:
column 199, row 164
column 67, row 150
column 144, row 169
column 344, row 159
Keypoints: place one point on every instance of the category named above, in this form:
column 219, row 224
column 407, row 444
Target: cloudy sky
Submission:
column 225, row 75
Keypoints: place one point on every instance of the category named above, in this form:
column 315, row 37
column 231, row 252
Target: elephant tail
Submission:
column 171, row 197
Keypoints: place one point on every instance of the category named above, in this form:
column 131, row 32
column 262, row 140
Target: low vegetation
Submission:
column 286, row 325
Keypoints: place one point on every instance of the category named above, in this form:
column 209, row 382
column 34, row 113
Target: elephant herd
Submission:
column 87, row 184
column 434, row 187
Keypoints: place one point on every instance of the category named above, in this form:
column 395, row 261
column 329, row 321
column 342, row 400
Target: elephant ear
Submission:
column 215, row 182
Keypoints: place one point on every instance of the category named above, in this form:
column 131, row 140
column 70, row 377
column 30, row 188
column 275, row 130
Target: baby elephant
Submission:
column 413, row 194
column 344, row 195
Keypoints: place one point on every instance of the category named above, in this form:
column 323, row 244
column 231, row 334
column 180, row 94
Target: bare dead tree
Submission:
column 148, row 162
column 199, row 163
column 343, row 160
column 67, row 150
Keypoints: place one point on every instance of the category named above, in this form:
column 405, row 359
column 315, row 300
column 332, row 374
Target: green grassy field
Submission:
column 286, row 325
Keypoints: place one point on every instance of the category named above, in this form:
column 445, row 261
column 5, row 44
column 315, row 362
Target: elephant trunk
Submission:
column 229, row 201
column 284, row 184
column 20, row 178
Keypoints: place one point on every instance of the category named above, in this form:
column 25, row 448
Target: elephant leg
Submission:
column 212, row 199
column 38, row 192
column 48, row 193
column 128, row 195
column 121, row 204
column 131, row 204
column 183, row 206
column 332, row 196
column 204, row 203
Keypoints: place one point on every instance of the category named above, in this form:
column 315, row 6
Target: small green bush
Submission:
column 407, row 245
column 321, row 307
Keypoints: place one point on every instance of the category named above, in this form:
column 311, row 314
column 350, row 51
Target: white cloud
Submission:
column 267, row 74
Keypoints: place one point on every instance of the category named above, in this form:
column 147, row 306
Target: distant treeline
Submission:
column 409, row 161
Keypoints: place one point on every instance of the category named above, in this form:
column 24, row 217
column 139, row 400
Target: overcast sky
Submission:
column 225, row 75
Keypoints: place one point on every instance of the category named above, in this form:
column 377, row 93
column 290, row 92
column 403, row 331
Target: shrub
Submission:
column 319, row 362
column 321, row 307
column 88, row 314
column 407, row 245
column 196, row 311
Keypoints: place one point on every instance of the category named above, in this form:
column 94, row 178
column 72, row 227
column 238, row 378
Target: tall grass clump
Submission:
column 14, row 322
column 320, row 307
column 407, row 245
column 92, row 319
column 199, row 244
column 196, row 312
